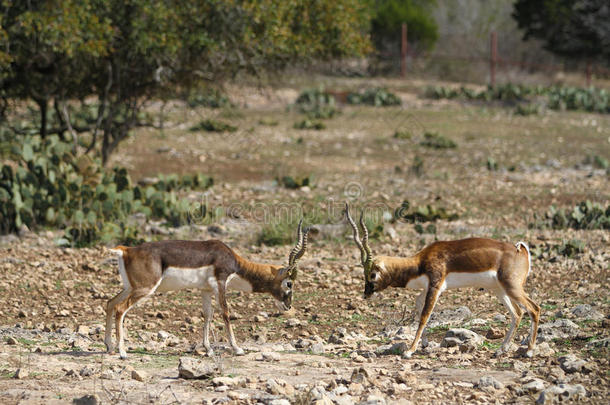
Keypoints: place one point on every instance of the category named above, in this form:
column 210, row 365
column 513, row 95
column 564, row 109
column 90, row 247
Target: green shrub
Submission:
column 294, row 183
column 211, row 125
column 377, row 97
column 402, row 135
column 492, row 165
column 597, row 161
column 571, row 248
column 309, row 124
column 528, row 109
column 557, row 98
column 50, row 187
column 277, row 232
column 424, row 213
column 437, row 141
column 317, row 104
column 586, row 215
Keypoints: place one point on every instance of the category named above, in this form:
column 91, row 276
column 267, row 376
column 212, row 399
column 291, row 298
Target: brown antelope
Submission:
column 475, row 262
column 210, row 266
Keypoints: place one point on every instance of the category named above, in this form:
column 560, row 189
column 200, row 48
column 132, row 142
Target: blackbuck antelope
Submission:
column 475, row 262
column 210, row 266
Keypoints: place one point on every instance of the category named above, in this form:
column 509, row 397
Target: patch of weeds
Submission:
column 376, row 96
column 585, row 215
column 316, row 104
column 417, row 168
column 276, row 233
column 210, row 125
column 597, row 161
column 7, row 374
column 430, row 228
column 374, row 226
column 504, row 364
column 528, row 109
column 440, row 328
column 291, row 182
column 26, row 342
column 424, row 213
column 402, row 135
column 309, row 124
column 548, row 307
column 490, row 345
column 571, row 248
column 562, row 342
column 492, row 165
column 269, row 122
column 436, row 141
column 588, row 323
column 141, row 350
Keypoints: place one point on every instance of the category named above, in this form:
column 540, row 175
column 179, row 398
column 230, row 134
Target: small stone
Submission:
column 489, row 381
column 499, row 318
column 228, row 381
column 268, row 356
column 162, row 335
column 85, row 372
column 292, row 322
column 571, row 364
column 21, row 374
column 317, row 348
column 138, row 375
column 563, row 391
column 237, row 396
column 191, row 369
column 359, row 376
column 585, row 311
column 536, row 385
column 279, row 402
column 83, row 329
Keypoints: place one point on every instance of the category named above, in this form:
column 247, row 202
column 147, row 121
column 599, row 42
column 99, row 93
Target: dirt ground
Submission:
column 333, row 345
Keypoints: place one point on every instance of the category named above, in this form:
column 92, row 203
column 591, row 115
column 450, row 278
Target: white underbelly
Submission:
column 200, row 278
column 181, row 278
column 485, row 279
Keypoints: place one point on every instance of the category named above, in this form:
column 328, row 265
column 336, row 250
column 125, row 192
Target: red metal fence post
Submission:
column 493, row 58
column 403, row 51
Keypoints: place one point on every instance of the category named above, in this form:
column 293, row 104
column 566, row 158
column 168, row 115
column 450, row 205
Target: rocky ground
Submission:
column 333, row 346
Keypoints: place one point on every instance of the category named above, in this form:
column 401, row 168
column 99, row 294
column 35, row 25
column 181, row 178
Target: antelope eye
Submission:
column 289, row 284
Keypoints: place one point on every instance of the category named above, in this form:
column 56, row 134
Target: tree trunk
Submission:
column 43, row 106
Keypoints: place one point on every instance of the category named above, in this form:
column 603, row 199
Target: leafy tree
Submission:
column 389, row 15
column 573, row 29
column 122, row 53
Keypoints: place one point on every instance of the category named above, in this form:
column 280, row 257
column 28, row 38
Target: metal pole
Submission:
column 493, row 59
column 403, row 51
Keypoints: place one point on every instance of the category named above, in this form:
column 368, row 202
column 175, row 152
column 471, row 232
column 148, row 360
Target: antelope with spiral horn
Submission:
column 210, row 265
column 474, row 262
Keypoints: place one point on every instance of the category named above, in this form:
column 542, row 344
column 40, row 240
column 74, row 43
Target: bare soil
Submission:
column 52, row 300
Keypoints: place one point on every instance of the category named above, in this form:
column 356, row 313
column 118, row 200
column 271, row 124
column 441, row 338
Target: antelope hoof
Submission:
column 499, row 353
column 529, row 353
column 123, row 354
column 407, row 354
column 239, row 351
